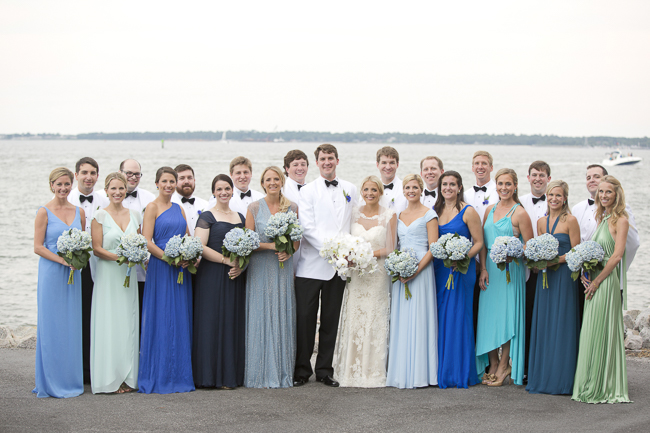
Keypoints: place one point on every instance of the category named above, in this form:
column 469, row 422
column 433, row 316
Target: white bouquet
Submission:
column 347, row 253
column 74, row 246
column 587, row 256
column 452, row 249
column 283, row 228
column 541, row 253
column 238, row 245
column 505, row 247
column 188, row 248
column 402, row 264
column 132, row 250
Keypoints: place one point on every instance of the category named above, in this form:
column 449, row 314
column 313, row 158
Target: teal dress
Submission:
column 502, row 306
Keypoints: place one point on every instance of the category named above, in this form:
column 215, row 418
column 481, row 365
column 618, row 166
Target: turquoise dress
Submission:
column 114, row 317
column 59, row 363
column 555, row 328
column 413, row 343
column 502, row 306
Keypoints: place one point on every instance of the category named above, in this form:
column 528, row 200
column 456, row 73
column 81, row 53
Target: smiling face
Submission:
column 116, row 191
column 538, row 181
column 241, row 176
column 222, row 192
column 594, row 175
column 186, row 183
column 607, row 195
column 61, row 187
column 370, row 193
column 505, row 186
column 327, row 163
column 166, row 185
column 86, row 178
column 271, row 182
column 449, row 188
column 387, row 168
column 431, row 173
column 482, row 168
column 131, row 169
column 412, row 191
column 297, row 170
column 555, row 199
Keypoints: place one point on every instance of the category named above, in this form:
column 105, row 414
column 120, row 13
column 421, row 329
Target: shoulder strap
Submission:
column 554, row 224
column 512, row 210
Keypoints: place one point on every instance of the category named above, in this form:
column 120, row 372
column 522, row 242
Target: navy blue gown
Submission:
column 456, row 350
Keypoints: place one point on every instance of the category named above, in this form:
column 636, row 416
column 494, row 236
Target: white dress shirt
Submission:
column 480, row 200
column 395, row 197
column 429, row 200
column 240, row 205
column 192, row 211
column 535, row 211
column 290, row 190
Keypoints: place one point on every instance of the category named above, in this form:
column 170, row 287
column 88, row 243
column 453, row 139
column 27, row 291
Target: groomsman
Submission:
column 387, row 163
column 86, row 175
column 431, row 168
column 241, row 173
column 325, row 211
column 185, row 198
column 539, row 175
column 296, row 165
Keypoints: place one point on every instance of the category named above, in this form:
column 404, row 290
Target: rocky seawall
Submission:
column 637, row 329
column 22, row 337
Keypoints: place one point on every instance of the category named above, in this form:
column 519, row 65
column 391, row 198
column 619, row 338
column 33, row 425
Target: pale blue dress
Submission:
column 413, row 344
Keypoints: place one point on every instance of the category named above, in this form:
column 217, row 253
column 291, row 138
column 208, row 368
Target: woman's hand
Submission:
column 484, row 279
column 585, row 280
column 283, row 256
column 591, row 289
column 454, row 266
column 234, row 272
column 183, row 264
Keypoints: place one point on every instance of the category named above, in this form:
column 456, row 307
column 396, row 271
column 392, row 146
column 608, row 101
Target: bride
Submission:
column 362, row 340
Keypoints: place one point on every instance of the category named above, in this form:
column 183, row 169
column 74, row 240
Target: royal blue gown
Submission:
column 59, row 362
column 166, row 343
column 555, row 328
column 456, row 350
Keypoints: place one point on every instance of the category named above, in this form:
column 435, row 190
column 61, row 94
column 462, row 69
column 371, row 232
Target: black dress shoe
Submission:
column 299, row 381
column 329, row 381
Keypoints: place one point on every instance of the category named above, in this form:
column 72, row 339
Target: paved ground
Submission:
column 314, row 407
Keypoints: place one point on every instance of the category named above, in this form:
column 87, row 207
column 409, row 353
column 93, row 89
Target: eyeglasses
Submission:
column 132, row 174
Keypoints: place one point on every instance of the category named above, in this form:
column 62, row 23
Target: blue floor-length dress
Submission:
column 456, row 349
column 166, row 343
column 413, row 343
column 59, row 362
column 555, row 328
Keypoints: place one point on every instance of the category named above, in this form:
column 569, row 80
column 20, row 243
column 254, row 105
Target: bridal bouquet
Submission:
column 347, row 253
column 505, row 247
column 587, row 256
column 238, row 245
column 452, row 249
column 188, row 248
column 402, row 264
column 541, row 253
column 74, row 246
column 283, row 228
column 132, row 250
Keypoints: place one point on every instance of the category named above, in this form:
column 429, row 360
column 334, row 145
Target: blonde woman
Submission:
column 270, row 298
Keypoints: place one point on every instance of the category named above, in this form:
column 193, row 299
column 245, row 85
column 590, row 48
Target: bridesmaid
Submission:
column 456, row 351
column 218, row 345
column 413, row 345
column 59, row 369
column 166, row 341
column 270, row 297
column 114, row 322
column 555, row 326
column 501, row 313
column 601, row 374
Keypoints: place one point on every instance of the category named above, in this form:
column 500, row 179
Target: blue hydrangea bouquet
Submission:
column 453, row 250
column 238, row 245
column 132, row 250
column 505, row 247
column 188, row 248
column 284, row 229
column 542, row 253
column 402, row 264
column 587, row 256
column 74, row 246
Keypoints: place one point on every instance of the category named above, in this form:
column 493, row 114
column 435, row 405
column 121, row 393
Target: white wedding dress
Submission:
column 362, row 339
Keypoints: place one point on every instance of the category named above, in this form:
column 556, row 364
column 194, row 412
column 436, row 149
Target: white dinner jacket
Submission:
column 290, row 190
column 322, row 218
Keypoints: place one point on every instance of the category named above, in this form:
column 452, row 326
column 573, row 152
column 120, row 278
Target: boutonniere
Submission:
column 486, row 200
column 198, row 212
column 347, row 196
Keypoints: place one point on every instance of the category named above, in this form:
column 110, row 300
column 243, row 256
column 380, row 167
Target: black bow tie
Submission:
column 300, row 186
column 431, row 193
column 389, row 186
column 590, row 201
column 185, row 200
column 536, row 199
column 133, row 194
column 480, row 188
column 246, row 194
column 83, row 198
column 333, row 182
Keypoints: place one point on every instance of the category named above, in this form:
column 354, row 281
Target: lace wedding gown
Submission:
column 362, row 340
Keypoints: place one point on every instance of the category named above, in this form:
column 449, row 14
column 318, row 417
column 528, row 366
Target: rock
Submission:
column 629, row 318
column 28, row 342
column 633, row 342
column 24, row 331
column 643, row 320
column 645, row 337
column 6, row 338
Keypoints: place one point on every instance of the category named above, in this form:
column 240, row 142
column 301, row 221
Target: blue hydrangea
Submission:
column 402, row 264
column 191, row 248
column 583, row 253
column 173, row 247
column 504, row 247
column 133, row 247
column 296, row 233
column 74, row 240
column 241, row 242
column 543, row 247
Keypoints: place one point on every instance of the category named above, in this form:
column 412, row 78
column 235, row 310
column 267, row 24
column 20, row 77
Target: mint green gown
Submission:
column 601, row 374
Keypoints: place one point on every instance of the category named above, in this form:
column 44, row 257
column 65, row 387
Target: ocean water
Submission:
column 27, row 165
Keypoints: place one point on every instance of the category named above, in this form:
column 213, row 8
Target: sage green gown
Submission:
column 601, row 374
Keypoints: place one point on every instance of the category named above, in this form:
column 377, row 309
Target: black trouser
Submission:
column 141, row 295
column 477, row 295
column 86, row 307
column 531, row 287
column 581, row 301
column 308, row 291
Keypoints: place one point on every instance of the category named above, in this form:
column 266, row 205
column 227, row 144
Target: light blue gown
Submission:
column 413, row 346
column 59, row 362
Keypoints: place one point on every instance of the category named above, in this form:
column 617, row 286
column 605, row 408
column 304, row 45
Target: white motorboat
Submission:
column 618, row 158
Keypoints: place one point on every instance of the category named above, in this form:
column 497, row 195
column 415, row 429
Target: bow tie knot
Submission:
column 332, row 182
column 188, row 200
column 431, row 193
column 480, row 188
column 83, row 198
column 537, row 199
column 133, row 194
column 590, row 201
column 246, row 194
column 389, row 186
column 300, row 186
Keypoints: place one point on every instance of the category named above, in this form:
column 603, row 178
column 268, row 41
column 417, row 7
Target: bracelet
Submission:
column 222, row 259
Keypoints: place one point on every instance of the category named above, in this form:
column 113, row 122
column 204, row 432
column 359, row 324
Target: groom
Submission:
column 325, row 211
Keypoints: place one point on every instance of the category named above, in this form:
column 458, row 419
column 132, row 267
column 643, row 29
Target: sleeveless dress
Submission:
column 218, row 346
column 413, row 343
column 456, row 351
column 362, row 340
column 601, row 373
column 502, row 306
column 59, row 365
column 555, row 328
column 114, row 317
column 270, row 313
column 166, row 342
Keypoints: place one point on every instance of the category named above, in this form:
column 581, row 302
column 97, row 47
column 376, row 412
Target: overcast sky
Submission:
column 578, row 68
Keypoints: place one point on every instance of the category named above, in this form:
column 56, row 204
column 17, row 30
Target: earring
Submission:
column 156, row 187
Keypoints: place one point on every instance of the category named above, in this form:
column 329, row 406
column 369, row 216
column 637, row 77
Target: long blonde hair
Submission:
column 618, row 209
column 565, row 191
column 285, row 203
column 513, row 175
